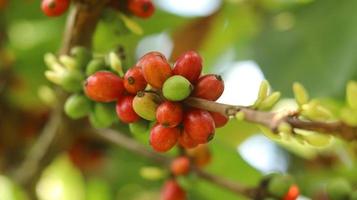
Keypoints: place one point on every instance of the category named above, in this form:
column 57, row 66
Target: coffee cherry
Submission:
column 72, row 81
column 94, row 66
column 81, row 55
column 155, row 68
column 180, row 166
column 201, row 155
column 163, row 139
column 172, row 191
column 219, row 119
column 141, row 8
column 186, row 141
column 199, row 125
column 104, row 86
column 209, row 87
column 77, row 106
column 53, row 8
column 189, row 65
column 169, row 114
column 338, row 189
column 125, row 110
column 139, row 127
column 134, row 80
column 293, row 193
column 104, row 115
column 176, row 88
column 145, row 105
column 279, row 185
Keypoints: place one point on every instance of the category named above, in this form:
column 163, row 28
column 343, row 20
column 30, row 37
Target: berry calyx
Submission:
column 176, row 88
column 163, row 139
column 189, row 65
column 155, row 68
column 180, row 166
column 145, row 105
column 186, row 141
column 169, row 114
column 104, row 86
column 219, row 119
column 293, row 193
column 141, row 8
column 209, row 87
column 199, row 125
column 172, row 191
column 53, row 8
column 134, row 80
column 125, row 111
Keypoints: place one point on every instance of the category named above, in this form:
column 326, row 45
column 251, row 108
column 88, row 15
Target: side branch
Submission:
column 273, row 120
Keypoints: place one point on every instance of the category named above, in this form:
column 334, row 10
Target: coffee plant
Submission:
column 168, row 111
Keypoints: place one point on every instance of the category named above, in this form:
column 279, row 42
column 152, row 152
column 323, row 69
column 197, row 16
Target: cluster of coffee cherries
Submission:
column 139, row 8
column 153, row 91
column 280, row 187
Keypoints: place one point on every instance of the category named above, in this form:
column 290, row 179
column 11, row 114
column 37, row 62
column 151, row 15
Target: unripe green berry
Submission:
column 71, row 81
column 94, row 66
column 145, row 105
column 338, row 189
column 82, row 56
column 176, row 88
column 279, row 185
column 139, row 127
column 96, row 123
column 77, row 106
column 105, row 114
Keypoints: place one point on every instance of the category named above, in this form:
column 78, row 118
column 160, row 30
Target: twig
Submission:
column 132, row 145
column 273, row 120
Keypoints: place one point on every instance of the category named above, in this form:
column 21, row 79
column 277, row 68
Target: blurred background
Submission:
column 246, row 41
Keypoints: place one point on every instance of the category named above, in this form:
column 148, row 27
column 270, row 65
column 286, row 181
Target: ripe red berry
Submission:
column 186, row 141
column 134, row 80
column 180, row 166
column 209, row 87
column 104, row 86
column 199, row 124
column 189, row 65
column 293, row 193
column 125, row 110
column 163, row 139
column 169, row 114
column 155, row 68
column 53, row 8
column 172, row 191
column 141, row 8
column 219, row 119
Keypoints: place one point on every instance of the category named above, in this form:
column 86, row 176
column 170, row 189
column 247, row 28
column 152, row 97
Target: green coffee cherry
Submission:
column 71, row 81
column 82, row 56
column 279, row 185
column 139, row 127
column 353, row 195
column 145, row 105
column 176, row 88
column 95, row 65
column 105, row 114
column 77, row 106
column 338, row 189
column 96, row 123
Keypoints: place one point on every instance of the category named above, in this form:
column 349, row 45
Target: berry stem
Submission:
column 273, row 120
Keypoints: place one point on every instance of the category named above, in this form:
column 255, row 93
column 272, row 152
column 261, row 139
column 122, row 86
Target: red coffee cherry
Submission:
column 155, row 68
column 293, row 193
column 134, row 80
column 209, row 87
column 180, row 166
column 189, row 65
column 199, row 124
column 172, row 191
column 169, row 114
column 163, row 139
column 186, row 141
column 104, row 86
column 125, row 110
column 219, row 119
column 141, row 8
column 53, row 8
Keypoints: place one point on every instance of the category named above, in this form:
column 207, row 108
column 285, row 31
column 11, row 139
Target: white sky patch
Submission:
column 158, row 42
column 241, row 81
column 263, row 154
column 189, row 8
